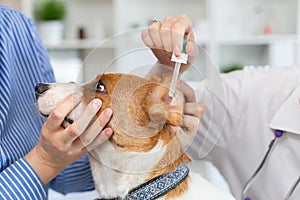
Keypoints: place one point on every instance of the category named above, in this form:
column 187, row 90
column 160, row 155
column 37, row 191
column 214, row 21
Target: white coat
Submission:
column 242, row 110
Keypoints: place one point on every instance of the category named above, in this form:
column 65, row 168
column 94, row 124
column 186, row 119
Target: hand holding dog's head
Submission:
column 141, row 107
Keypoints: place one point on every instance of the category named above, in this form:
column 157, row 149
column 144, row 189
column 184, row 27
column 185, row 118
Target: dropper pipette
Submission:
column 182, row 59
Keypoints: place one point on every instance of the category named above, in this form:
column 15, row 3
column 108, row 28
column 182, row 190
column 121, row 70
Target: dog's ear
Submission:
column 144, row 106
column 160, row 106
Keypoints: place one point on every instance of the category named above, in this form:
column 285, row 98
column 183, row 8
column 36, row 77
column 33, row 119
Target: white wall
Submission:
column 96, row 16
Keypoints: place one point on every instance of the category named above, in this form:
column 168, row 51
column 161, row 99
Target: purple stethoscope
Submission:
column 278, row 134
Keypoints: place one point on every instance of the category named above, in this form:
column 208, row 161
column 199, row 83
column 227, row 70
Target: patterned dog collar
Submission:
column 159, row 185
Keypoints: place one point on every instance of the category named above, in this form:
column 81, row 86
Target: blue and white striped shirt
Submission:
column 24, row 63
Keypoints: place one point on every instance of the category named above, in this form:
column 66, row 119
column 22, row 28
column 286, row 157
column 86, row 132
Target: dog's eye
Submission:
column 98, row 87
column 101, row 88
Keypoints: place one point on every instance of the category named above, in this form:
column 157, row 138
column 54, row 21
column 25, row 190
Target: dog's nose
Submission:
column 40, row 88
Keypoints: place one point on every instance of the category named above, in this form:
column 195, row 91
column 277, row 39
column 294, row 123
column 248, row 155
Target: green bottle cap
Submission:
column 184, row 46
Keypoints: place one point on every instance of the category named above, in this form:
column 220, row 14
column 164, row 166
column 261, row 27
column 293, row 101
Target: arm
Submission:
column 76, row 177
column 241, row 138
column 24, row 63
column 17, row 178
column 20, row 181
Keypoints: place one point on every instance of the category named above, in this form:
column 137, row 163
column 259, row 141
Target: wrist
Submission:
column 44, row 170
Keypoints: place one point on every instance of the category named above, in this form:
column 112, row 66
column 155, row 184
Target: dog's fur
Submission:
column 143, row 145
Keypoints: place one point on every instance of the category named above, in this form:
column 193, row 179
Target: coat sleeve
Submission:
column 235, row 101
column 223, row 98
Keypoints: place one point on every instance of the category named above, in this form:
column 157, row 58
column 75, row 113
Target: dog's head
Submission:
column 141, row 108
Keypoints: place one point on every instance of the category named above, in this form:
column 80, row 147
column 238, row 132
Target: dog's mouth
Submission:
column 67, row 120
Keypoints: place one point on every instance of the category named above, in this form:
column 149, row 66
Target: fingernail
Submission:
column 177, row 51
column 96, row 104
column 108, row 132
column 78, row 95
column 189, row 48
column 108, row 113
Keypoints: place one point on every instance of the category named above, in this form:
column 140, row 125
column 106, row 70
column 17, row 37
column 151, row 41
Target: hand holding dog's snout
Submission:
column 58, row 146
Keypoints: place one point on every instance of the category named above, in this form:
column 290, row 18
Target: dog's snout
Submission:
column 40, row 88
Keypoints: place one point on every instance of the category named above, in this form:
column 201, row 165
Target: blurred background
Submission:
column 234, row 33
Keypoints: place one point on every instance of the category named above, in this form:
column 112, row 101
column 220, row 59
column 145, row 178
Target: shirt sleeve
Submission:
column 20, row 55
column 75, row 178
column 24, row 63
column 19, row 181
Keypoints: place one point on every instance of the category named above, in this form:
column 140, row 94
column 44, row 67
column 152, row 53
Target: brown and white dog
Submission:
column 143, row 147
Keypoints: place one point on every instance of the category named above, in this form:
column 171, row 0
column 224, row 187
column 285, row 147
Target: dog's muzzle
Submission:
column 40, row 89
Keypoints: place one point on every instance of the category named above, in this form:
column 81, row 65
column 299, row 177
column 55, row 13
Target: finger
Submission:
column 187, row 91
column 192, row 50
column 183, row 137
column 147, row 39
column 194, row 109
column 181, row 28
column 100, row 139
column 77, row 128
column 166, row 34
column 188, row 33
column 96, row 127
column 61, row 110
column 190, row 124
column 153, row 31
